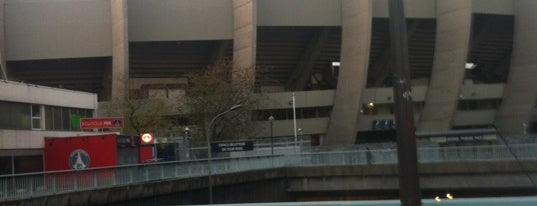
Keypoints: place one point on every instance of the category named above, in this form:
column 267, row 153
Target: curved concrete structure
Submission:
column 104, row 44
column 453, row 27
column 356, row 35
column 520, row 94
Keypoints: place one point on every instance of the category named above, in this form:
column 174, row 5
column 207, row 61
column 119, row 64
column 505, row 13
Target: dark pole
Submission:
column 271, row 120
column 409, row 188
column 271, row 139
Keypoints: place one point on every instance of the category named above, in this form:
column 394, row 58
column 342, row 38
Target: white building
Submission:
column 28, row 113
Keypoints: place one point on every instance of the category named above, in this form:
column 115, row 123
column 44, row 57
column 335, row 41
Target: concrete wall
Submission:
column 478, row 117
column 299, row 12
column 252, row 186
column 57, row 29
column 31, row 139
column 3, row 70
column 520, row 94
column 244, row 42
column 287, row 184
column 324, row 98
column 119, row 73
column 504, row 7
column 453, row 29
column 355, row 47
column 328, row 12
column 28, row 93
column 82, row 28
column 282, row 100
column 172, row 20
column 452, row 176
column 413, row 8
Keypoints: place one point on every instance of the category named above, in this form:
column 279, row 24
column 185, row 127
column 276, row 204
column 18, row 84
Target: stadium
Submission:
column 473, row 63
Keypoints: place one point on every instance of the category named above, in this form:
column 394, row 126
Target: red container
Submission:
column 80, row 152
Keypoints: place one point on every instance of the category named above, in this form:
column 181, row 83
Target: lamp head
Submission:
column 235, row 107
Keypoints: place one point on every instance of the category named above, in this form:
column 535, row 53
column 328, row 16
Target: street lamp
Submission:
column 187, row 137
column 301, row 137
column 294, row 122
column 271, row 120
column 208, row 136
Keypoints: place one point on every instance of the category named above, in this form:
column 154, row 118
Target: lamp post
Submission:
column 301, row 138
column 271, row 120
column 294, row 122
column 208, row 136
column 187, row 137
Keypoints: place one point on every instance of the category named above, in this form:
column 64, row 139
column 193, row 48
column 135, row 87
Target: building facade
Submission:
column 472, row 61
column 29, row 113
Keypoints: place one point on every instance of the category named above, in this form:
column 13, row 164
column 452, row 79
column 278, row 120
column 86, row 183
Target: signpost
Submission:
column 101, row 123
column 232, row 146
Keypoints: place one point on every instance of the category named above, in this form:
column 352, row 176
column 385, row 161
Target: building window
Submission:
column 25, row 116
column 36, row 117
column 15, row 115
column 65, row 119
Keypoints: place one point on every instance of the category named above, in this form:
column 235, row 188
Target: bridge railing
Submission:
column 425, row 155
column 48, row 183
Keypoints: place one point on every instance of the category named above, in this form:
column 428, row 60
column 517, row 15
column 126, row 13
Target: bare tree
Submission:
column 211, row 92
column 142, row 112
column 147, row 115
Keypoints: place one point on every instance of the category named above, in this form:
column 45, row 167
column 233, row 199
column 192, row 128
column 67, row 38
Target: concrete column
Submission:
column 120, row 50
column 3, row 68
column 520, row 93
column 356, row 20
column 244, row 37
column 453, row 29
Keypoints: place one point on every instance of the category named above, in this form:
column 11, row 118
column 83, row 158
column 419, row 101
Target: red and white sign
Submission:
column 147, row 138
column 101, row 123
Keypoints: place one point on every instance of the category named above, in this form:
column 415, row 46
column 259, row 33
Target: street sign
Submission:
column 147, row 138
column 232, row 146
column 101, row 123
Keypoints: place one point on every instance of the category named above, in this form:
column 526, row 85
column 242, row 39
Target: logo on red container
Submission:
column 79, row 159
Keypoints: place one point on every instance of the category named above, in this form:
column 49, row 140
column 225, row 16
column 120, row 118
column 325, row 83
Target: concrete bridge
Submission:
column 493, row 170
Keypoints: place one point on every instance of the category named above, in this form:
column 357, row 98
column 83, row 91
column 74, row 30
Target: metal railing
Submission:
column 488, row 201
column 48, row 183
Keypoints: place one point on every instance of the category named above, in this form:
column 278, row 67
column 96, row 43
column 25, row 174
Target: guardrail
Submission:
column 49, row 183
column 489, row 201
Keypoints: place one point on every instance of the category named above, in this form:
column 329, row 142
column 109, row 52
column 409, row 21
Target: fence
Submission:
column 47, row 183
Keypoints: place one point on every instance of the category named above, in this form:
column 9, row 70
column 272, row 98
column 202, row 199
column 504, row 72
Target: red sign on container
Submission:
column 80, row 152
column 101, row 123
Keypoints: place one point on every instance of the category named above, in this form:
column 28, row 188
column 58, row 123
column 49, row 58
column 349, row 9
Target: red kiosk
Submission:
column 146, row 152
column 100, row 150
column 80, row 152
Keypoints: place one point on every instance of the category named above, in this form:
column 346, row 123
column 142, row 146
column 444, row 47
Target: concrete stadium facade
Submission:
column 94, row 45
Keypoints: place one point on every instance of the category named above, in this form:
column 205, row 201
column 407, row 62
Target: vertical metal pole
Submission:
column 209, row 175
column 209, row 154
column 12, row 164
column 271, row 139
column 409, row 189
column 272, row 142
column 294, row 123
column 271, row 120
